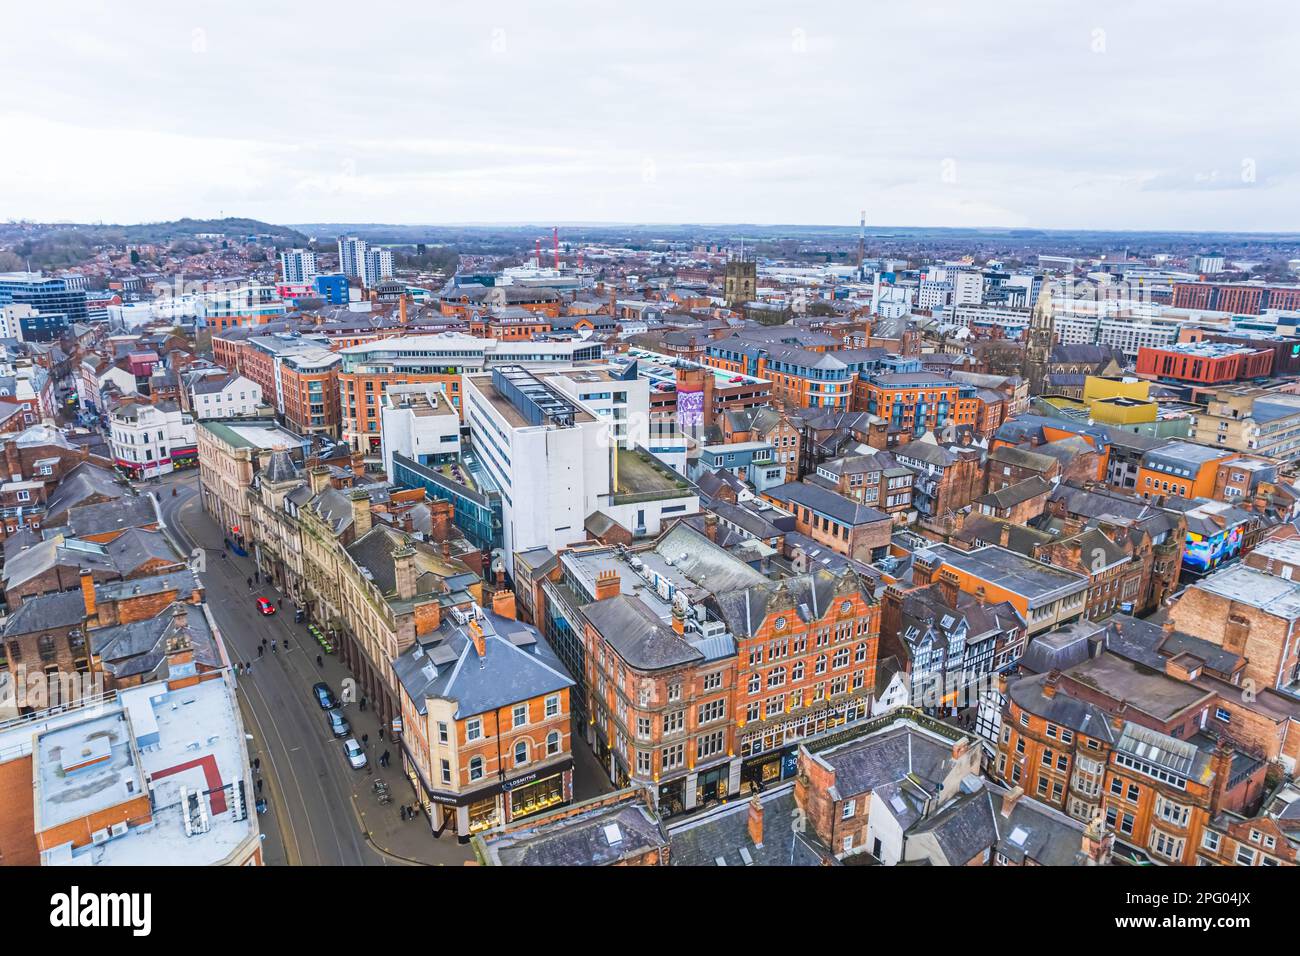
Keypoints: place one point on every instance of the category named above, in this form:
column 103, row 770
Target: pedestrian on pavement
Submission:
column 257, row 763
column 260, row 649
column 403, row 813
column 383, row 759
column 248, row 668
column 318, row 661
column 273, row 650
column 259, row 786
column 365, row 740
column 363, row 703
column 264, row 642
column 381, row 730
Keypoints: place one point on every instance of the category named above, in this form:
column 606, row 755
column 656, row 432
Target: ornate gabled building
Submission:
column 806, row 663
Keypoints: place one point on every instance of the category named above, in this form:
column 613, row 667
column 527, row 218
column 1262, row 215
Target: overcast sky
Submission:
column 1037, row 113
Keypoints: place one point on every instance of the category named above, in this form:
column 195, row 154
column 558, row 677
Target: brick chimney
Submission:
column 358, row 462
column 440, row 516
column 948, row 587
column 1010, row 799
column 503, row 603
column 360, row 513
column 446, row 549
column 755, row 821
column 980, row 597
column 1049, row 685
column 401, row 310
column 404, row 572
column 679, row 620
column 711, row 526
column 88, row 592
column 480, row 642
column 1004, row 533
column 608, row 585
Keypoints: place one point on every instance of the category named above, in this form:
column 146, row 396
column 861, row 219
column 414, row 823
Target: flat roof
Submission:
column 1273, row 595
column 91, row 758
column 1013, row 572
column 253, row 434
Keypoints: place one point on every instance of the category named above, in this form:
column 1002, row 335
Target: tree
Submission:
column 135, row 257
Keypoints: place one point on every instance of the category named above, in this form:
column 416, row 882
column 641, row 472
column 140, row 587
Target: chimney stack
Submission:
column 711, row 526
column 608, row 585
column 1049, row 685
column 360, row 514
column 679, row 620
column 404, row 572
column 480, row 642
column 755, row 822
column 319, row 479
column 1010, row 798
column 88, row 591
column 503, row 603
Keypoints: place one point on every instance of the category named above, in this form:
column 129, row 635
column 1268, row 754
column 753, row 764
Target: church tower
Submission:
column 1039, row 340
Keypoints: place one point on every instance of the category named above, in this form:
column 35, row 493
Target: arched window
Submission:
column 476, row 768
column 552, row 743
column 521, row 753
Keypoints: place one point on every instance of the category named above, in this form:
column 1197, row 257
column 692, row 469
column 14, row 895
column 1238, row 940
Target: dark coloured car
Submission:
column 337, row 723
column 324, row 696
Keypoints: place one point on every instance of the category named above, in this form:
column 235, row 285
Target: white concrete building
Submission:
column 227, row 396
column 556, row 465
column 152, row 440
column 420, row 422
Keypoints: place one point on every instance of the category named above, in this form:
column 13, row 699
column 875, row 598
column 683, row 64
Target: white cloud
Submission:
column 1111, row 115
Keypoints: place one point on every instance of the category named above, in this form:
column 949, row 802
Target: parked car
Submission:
column 265, row 606
column 356, row 756
column 324, row 696
column 337, row 723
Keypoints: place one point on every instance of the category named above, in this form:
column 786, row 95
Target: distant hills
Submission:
column 179, row 229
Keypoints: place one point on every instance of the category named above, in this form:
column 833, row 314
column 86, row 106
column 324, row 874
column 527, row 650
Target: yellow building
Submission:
column 1097, row 388
column 1121, row 411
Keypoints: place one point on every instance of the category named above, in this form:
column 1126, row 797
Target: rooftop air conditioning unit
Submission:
column 100, row 837
column 119, row 829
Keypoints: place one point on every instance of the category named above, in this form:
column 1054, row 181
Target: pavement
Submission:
column 321, row 811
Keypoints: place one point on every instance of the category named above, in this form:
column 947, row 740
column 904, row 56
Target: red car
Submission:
column 265, row 606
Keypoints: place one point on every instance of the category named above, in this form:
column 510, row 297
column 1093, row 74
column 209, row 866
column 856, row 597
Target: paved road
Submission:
column 309, row 784
column 324, row 810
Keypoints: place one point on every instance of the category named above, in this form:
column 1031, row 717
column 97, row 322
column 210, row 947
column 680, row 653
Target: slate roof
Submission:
column 703, row 563
column 1084, row 718
column 136, row 547
column 135, row 511
column 638, row 636
column 55, row 552
column 518, row 665
column 810, row 595
column 1021, row 458
column 46, row 612
column 140, row 648
column 82, row 483
column 722, row 834
column 826, row 502
column 581, row 838
column 1011, row 495
column 964, row 829
column 901, row 752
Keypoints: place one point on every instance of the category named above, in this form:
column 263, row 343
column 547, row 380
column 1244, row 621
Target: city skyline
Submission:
column 1098, row 119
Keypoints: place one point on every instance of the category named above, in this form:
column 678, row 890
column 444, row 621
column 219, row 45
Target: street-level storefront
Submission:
column 494, row 805
column 771, row 750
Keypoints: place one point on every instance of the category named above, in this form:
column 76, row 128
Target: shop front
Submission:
column 771, row 751
column 466, row 814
